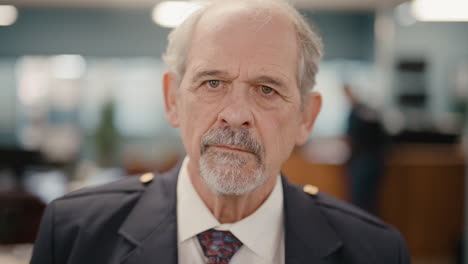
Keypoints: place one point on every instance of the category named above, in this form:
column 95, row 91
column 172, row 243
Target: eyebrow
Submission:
column 269, row 80
column 210, row 73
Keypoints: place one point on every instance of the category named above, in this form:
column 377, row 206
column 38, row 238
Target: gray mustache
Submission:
column 239, row 138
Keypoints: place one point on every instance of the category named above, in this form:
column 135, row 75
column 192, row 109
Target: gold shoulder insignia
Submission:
column 311, row 189
column 147, row 177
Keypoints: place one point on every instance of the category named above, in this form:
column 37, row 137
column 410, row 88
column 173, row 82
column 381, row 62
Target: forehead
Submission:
column 244, row 39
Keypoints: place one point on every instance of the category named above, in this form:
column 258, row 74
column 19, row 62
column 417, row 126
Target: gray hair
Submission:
column 310, row 43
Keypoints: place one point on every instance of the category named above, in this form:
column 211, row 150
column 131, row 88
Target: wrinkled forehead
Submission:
column 238, row 31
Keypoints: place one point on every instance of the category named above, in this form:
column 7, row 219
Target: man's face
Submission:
column 238, row 104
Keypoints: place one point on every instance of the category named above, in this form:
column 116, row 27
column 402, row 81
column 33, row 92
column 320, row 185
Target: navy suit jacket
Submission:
column 130, row 222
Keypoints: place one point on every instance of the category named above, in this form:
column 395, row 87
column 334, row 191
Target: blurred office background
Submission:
column 81, row 104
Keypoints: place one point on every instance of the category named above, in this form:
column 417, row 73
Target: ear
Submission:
column 170, row 98
column 311, row 109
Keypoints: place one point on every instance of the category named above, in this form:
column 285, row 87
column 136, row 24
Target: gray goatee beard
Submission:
column 225, row 173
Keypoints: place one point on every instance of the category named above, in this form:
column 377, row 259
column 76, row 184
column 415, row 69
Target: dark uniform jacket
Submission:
column 133, row 222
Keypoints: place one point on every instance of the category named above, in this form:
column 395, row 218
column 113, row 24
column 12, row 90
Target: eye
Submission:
column 213, row 83
column 267, row 90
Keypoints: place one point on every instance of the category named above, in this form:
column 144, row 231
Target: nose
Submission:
column 236, row 112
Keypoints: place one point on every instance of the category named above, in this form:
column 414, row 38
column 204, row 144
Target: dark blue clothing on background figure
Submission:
column 366, row 163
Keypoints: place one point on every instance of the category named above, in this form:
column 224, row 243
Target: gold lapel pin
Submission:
column 311, row 189
column 147, row 177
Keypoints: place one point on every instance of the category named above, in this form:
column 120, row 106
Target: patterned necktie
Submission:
column 218, row 246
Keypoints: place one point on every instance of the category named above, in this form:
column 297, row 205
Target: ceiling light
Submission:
column 8, row 15
column 437, row 10
column 173, row 13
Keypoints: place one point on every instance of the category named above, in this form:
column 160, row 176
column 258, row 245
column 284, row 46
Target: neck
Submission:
column 230, row 208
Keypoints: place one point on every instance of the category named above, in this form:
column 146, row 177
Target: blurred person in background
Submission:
column 239, row 88
column 367, row 141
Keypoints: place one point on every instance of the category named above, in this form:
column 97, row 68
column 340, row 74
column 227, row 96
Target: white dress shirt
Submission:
column 262, row 233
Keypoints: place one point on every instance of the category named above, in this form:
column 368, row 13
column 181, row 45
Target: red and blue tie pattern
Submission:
column 218, row 246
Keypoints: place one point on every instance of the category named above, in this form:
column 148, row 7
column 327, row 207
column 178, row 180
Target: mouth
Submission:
column 231, row 148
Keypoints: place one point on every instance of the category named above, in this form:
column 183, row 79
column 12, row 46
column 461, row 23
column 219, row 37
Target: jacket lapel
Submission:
column 151, row 227
column 309, row 237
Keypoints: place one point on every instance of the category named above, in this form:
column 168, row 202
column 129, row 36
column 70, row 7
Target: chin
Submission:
column 231, row 174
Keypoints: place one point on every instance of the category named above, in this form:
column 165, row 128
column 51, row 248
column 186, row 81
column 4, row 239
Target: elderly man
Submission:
column 238, row 87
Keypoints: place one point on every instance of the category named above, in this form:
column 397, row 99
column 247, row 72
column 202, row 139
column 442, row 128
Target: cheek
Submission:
column 279, row 132
column 197, row 118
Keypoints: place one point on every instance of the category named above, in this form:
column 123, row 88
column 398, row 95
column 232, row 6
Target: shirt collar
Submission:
column 260, row 232
column 193, row 216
